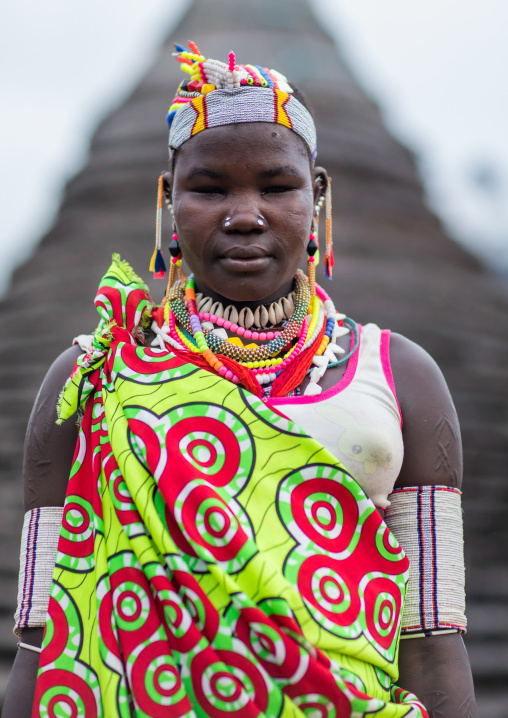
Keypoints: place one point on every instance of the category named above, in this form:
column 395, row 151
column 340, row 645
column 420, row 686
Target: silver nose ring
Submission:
column 260, row 221
column 227, row 222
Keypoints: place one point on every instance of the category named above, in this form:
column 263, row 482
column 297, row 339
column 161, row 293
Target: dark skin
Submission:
column 239, row 174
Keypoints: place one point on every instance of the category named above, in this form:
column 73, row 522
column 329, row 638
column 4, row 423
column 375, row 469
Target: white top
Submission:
column 358, row 420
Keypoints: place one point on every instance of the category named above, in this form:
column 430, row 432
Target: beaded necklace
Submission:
column 191, row 330
column 242, row 354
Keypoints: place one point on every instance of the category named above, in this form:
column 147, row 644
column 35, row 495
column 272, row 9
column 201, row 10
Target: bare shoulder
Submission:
column 48, row 447
column 432, row 443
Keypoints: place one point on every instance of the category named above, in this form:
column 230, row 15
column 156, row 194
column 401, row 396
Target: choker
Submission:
column 263, row 317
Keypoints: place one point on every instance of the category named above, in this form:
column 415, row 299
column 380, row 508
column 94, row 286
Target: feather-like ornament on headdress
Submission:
column 206, row 75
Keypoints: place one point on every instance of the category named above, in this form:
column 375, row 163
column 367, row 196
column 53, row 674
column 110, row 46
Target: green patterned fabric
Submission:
column 213, row 559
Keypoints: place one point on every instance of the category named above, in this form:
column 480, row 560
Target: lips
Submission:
column 240, row 252
column 246, row 259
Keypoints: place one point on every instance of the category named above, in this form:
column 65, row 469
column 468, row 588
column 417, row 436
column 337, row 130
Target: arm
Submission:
column 436, row 668
column 47, row 461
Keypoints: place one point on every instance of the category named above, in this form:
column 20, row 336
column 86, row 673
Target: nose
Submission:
column 244, row 220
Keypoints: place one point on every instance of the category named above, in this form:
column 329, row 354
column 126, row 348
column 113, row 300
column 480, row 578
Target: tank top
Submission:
column 358, row 419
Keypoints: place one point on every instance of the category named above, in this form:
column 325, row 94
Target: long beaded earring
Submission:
column 157, row 263
column 329, row 261
column 312, row 248
column 176, row 261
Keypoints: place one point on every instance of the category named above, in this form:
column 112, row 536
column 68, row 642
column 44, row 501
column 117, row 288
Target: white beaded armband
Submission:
column 427, row 522
column 39, row 542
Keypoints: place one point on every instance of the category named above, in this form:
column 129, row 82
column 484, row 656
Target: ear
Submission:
column 168, row 185
column 320, row 183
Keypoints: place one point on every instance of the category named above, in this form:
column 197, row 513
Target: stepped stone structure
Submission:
column 394, row 266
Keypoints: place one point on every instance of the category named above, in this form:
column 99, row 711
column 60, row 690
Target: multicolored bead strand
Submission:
column 314, row 324
column 199, row 336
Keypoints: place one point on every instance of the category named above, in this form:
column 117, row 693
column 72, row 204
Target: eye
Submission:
column 278, row 189
column 208, row 190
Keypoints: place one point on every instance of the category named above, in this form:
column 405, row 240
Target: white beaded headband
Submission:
column 217, row 94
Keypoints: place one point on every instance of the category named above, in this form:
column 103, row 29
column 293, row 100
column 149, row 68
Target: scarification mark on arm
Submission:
column 446, row 440
column 442, row 705
column 467, row 708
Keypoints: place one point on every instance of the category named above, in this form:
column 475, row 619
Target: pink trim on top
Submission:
column 387, row 367
column 345, row 381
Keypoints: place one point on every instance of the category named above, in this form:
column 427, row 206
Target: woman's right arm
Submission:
column 49, row 449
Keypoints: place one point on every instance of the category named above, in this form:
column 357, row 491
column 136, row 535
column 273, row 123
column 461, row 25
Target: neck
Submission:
column 216, row 297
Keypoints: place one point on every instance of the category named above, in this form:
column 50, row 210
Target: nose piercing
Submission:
column 260, row 221
column 227, row 222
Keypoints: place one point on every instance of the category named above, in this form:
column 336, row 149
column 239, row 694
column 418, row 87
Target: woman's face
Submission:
column 243, row 198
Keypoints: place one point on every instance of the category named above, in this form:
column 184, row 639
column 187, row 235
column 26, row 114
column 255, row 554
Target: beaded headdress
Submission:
column 218, row 94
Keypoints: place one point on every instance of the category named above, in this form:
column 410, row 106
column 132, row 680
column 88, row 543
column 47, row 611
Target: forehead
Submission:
column 249, row 143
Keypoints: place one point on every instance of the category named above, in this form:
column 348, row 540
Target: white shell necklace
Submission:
column 262, row 316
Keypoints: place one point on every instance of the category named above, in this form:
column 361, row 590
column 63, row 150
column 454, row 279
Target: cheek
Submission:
column 295, row 220
column 193, row 222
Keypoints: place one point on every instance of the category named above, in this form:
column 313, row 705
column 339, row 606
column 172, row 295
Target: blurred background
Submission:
column 412, row 113
column 437, row 70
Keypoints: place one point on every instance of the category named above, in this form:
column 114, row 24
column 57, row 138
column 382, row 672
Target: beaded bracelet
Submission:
column 29, row 647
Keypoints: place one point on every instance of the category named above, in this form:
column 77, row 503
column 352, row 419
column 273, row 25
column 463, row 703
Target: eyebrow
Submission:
column 204, row 172
column 280, row 170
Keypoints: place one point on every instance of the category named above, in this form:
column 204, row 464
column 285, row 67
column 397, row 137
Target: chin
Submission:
column 246, row 289
column 233, row 282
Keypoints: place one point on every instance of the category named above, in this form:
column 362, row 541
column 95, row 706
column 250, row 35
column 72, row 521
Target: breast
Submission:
column 359, row 421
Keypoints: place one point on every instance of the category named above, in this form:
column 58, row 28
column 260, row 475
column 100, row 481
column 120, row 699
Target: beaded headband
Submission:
column 217, row 94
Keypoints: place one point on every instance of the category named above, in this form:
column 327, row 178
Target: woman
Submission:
column 217, row 551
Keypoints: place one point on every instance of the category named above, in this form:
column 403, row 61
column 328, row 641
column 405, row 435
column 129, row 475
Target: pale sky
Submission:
column 437, row 69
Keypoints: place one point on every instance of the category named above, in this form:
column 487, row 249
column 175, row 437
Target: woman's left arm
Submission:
column 436, row 668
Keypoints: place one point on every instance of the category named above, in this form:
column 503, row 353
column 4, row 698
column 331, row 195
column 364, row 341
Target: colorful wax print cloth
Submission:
column 213, row 559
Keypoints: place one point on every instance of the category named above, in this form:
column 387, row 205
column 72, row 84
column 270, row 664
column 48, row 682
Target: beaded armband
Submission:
column 39, row 541
column 427, row 522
